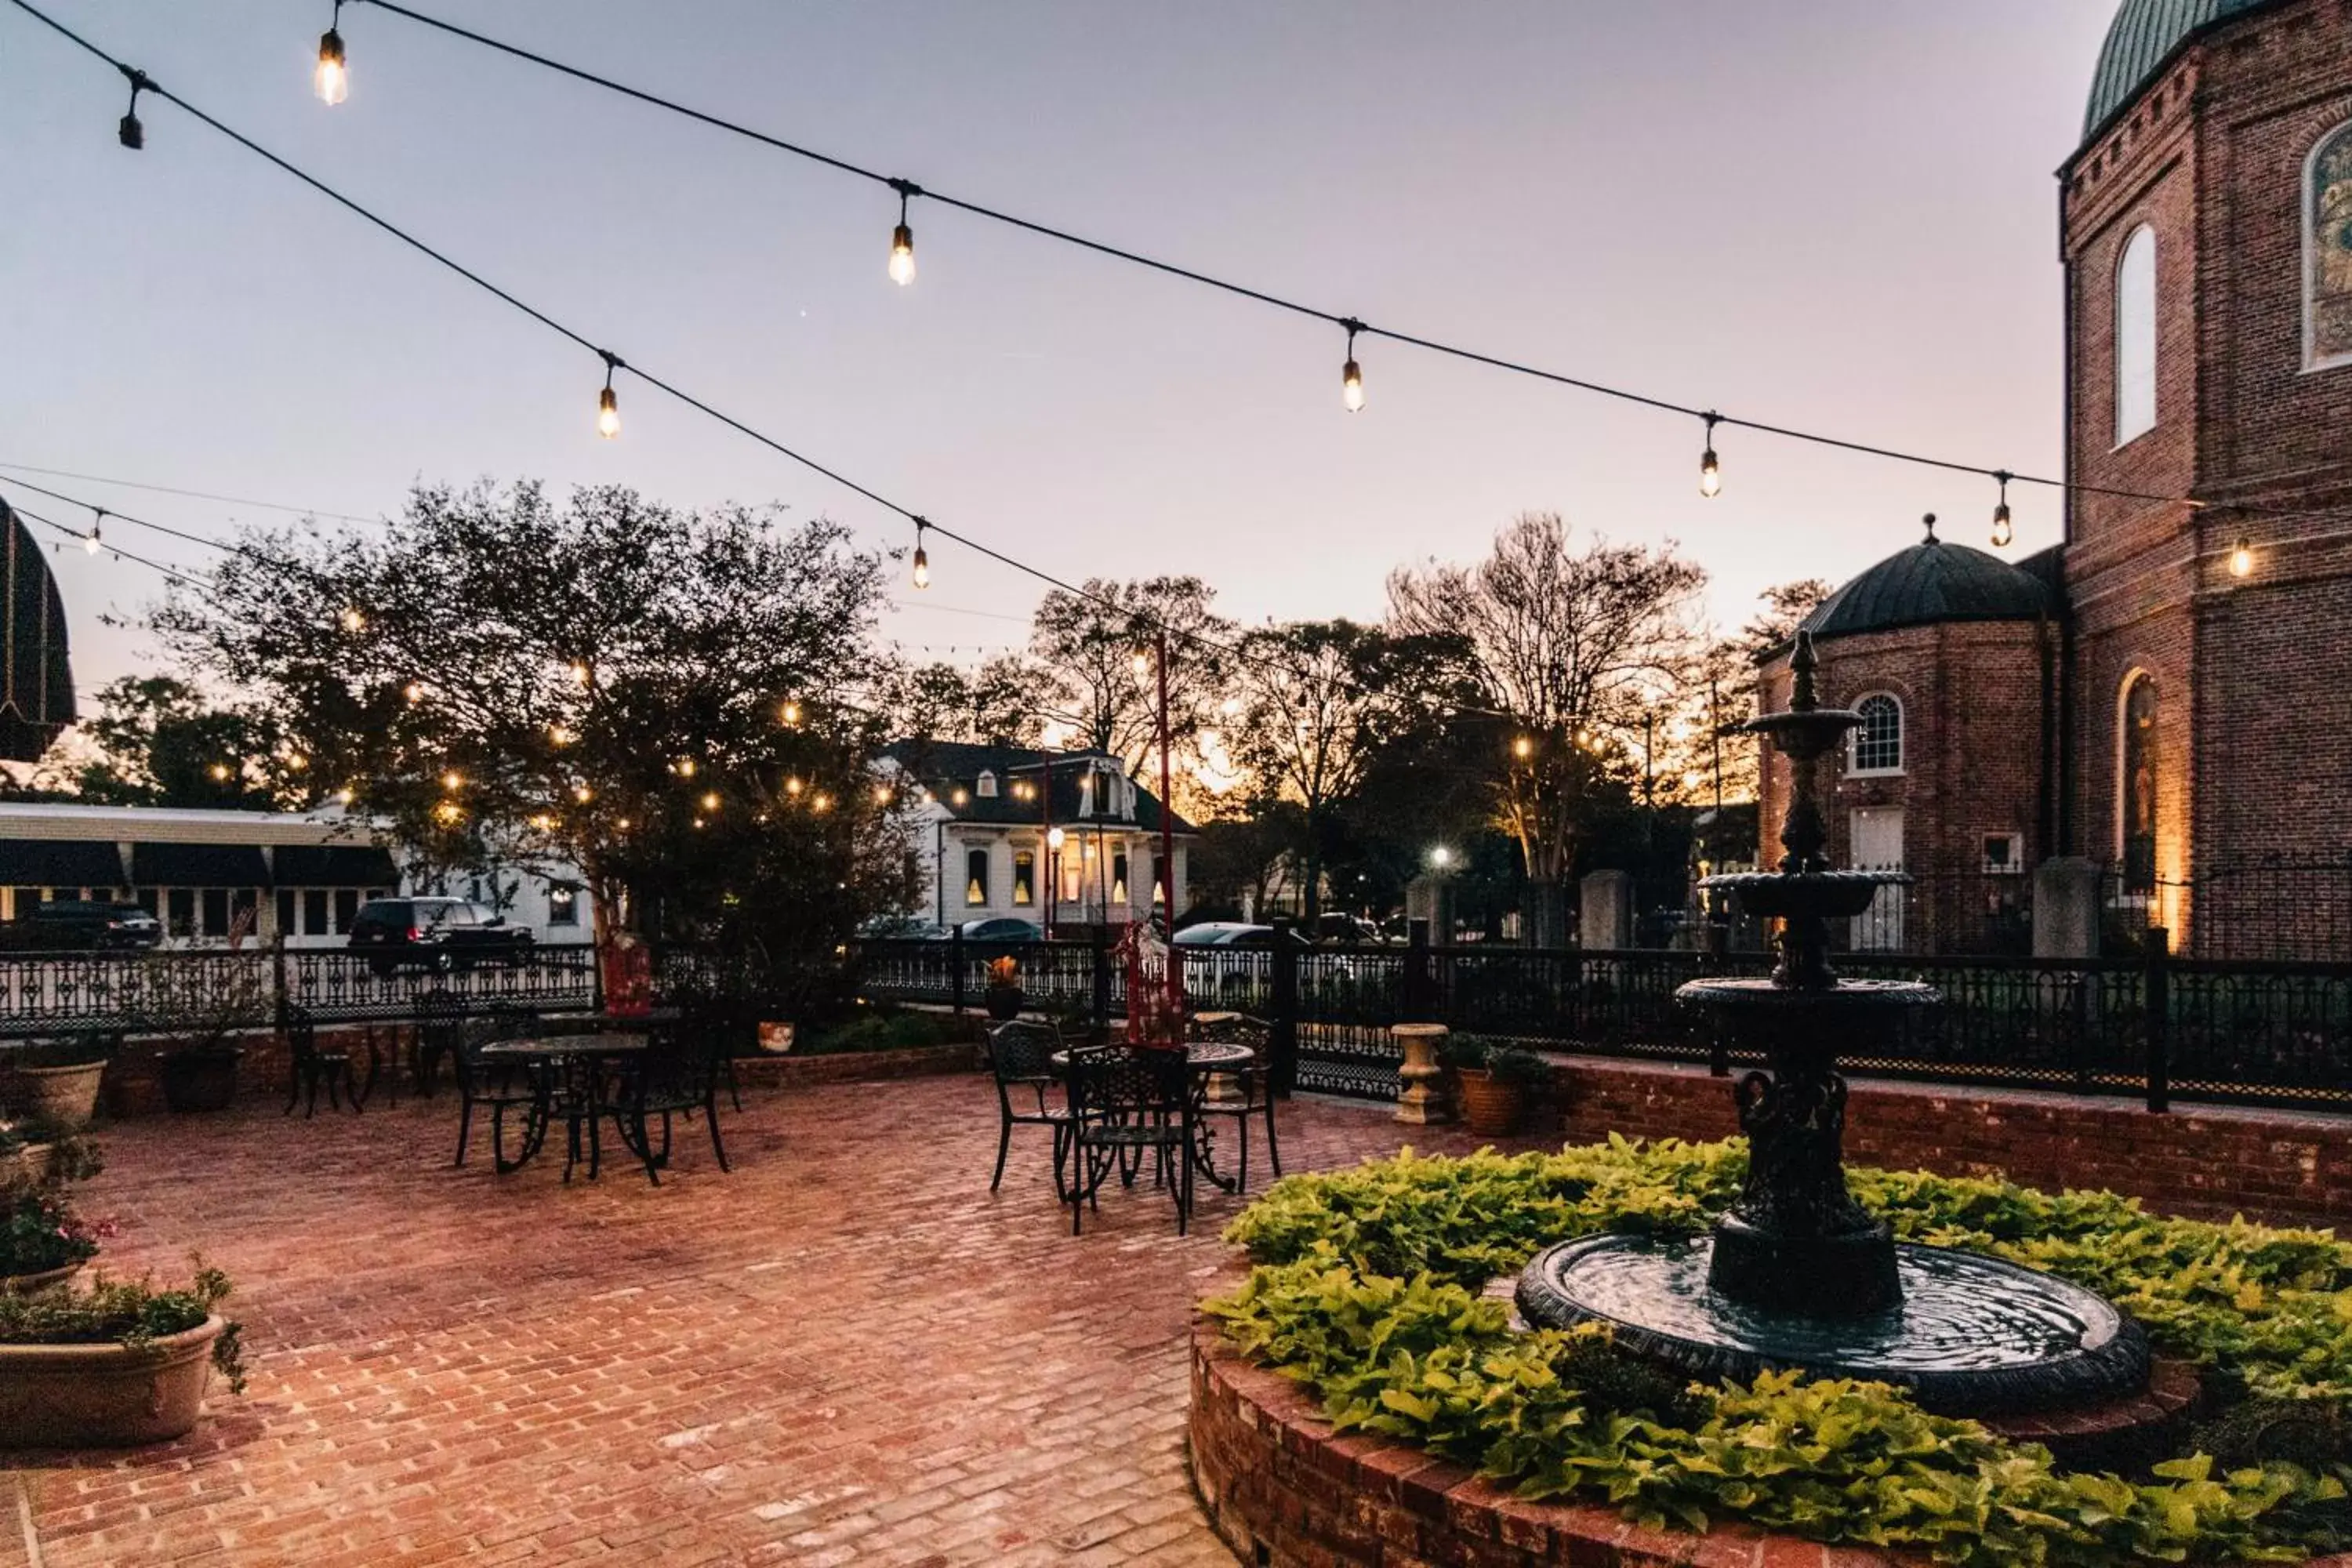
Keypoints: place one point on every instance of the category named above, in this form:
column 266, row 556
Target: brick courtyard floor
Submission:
column 846, row 1351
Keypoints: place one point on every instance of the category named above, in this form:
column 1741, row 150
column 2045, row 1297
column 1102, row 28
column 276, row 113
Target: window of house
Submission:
column 1118, row 877
column 347, row 907
column 2327, row 249
column 314, row 912
column 2136, row 336
column 985, row 786
column 975, row 877
column 1025, row 877
column 180, row 906
column 286, row 912
column 2135, row 785
column 1877, row 744
column 562, row 906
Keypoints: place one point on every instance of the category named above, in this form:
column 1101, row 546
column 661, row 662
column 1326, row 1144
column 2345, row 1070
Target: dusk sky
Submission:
column 1833, row 214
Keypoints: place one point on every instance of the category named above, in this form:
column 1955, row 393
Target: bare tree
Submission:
column 1316, row 700
column 1709, row 750
column 1095, row 678
column 1574, row 645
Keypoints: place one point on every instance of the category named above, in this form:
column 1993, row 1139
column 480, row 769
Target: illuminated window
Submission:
column 975, row 877
column 2136, row 785
column 1118, row 877
column 985, row 786
column 1877, row 744
column 2327, row 250
column 1024, row 877
column 562, row 907
column 2136, row 336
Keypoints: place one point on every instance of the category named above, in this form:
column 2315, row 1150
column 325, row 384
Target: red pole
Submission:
column 1046, row 847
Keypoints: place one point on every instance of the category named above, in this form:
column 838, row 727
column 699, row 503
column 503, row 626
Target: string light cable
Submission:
column 1353, row 386
column 177, row 574
column 194, row 495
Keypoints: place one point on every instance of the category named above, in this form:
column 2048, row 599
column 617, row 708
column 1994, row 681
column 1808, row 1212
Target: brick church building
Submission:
column 2168, row 692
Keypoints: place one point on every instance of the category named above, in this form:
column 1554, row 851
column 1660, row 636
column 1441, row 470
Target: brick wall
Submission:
column 2210, row 1161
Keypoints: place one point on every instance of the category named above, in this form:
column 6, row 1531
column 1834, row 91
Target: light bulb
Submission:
column 1523, row 748
column 2241, row 558
column 793, row 787
column 686, row 767
column 1351, row 388
column 414, row 691
column 1710, row 475
column 922, row 567
column 90, row 541
column 902, row 255
column 1055, row 838
column 608, row 415
column 345, row 795
column 710, row 801
column 449, row 811
column 334, row 81
column 219, row 771
column 453, row 781
column 582, row 794
column 1142, row 663
column 352, row 620
column 559, row 734
column 2001, row 531
column 791, row 712
column 881, row 794
column 579, row 674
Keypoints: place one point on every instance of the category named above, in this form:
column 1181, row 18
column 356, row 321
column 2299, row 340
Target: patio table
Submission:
column 565, row 1070
column 605, row 1022
column 1202, row 1058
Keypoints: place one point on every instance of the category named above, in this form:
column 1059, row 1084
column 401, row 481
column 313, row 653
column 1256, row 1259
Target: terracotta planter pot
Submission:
column 81, row 1396
column 199, row 1081
column 134, row 1088
column 67, row 1095
column 25, row 1284
column 1490, row 1107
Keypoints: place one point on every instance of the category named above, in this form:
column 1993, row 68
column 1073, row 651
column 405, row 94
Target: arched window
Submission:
column 2136, row 782
column 1877, row 746
column 2328, row 252
column 2136, row 336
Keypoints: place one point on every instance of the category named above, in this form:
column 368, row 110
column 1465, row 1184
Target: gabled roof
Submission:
column 945, row 767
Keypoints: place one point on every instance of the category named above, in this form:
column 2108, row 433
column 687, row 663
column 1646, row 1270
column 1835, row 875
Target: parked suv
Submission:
column 70, row 924
column 433, row 933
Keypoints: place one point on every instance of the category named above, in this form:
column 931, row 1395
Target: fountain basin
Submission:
column 1971, row 1335
column 1778, row 895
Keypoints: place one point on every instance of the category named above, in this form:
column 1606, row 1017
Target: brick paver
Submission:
column 846, row 1351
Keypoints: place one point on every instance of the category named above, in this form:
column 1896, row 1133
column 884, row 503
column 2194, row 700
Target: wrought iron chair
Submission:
column 440, row 1022
column 313, row 1067
column 1126, row 1101
column 487, row 1081
column 679, row 1073
column 1256, row 1082
column 1020, row 1056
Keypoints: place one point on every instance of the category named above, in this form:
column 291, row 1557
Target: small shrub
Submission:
column 130, row 1313
column 39, row 1231
column 883, row 1030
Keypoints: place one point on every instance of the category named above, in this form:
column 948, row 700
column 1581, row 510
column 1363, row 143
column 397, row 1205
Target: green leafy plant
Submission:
column 1512, row 1064
column 134, row 1314
column 883, row 1031
column 1463, row 1053
column 1367, row 1289
column 39, row 1231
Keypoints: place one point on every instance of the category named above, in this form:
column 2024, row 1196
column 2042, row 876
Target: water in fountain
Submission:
column 1798, row 1273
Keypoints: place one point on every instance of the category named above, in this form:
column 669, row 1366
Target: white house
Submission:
column 305, row 874
column 1065, row 840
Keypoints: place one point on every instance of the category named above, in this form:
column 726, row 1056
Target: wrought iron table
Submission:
column 565, row 1071
column 1202, row 1060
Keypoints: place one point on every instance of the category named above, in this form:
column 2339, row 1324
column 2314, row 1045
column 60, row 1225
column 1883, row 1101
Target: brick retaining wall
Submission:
column 2212, row 1160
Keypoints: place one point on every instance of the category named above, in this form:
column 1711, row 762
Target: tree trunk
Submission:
column 1546, row 921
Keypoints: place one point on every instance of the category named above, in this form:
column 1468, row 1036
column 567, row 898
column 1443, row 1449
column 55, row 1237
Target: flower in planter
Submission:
column 39, row 1233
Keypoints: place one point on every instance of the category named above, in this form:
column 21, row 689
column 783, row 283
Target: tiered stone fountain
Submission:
column 1798, row 1274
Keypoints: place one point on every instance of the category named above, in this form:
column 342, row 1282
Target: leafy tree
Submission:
column 669, row 702
column 1722, row 695
column 1097, row 682
column 160, row 743
column 1572, row 646
column 993, row 705
column 1318, row 701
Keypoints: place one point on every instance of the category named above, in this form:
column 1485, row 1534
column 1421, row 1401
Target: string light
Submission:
column 1143, row 662
column 2002, row 533
column 608, row 406
column 333, row 80
column 449, row 811
column 345, row 795
column 580, row 675
column 881, row 794
column 583, row 794
column 791, row 712
column 922, row 557
column 793, row 787
column 683, row 767
column 352, row 620
column 710, row 801
column 902, row 239
column 90, row 541
column 453, row 781
column 1523, row 748
column 130, row 133
column 2241, row 557
column 559, row 734
column 219, row 771
column 414, row 691
column 821, row 803
column 1710, row 471
column 1351, row 376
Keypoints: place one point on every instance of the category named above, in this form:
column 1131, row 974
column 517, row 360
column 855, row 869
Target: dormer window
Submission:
column 985, row 786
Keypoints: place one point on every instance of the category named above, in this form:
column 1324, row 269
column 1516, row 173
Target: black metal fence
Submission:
column 2152, row 1026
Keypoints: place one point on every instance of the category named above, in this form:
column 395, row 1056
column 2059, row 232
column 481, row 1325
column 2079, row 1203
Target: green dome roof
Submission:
column 2143, row 36
column 1933, row 583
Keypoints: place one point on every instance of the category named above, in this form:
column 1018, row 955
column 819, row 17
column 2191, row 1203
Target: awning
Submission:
column 58, row 863
column 198, row 866
column 335, row 865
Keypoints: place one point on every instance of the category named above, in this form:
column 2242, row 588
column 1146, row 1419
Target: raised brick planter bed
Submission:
column 1284, row 1491
column 2212, row 1161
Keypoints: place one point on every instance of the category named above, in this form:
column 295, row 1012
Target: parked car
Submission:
column 433, row 933
column 82, row 923
column 999, row 934
column 901, row 927
column 1346, row 930
column 1236, row 969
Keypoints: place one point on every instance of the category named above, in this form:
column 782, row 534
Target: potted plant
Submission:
column 201, row 1012
column 1003, row 996
column 116, row 1363
column 56, row 1081
column 37, row 1153
column 1492, row 1082
column 43, row 1242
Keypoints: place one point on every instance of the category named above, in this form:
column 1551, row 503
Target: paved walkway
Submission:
column 846, row 1351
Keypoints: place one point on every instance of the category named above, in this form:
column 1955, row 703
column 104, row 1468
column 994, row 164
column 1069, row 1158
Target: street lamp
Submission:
column 1441, row 858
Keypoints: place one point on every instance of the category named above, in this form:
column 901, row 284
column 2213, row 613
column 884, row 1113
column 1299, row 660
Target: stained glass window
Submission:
column 2138, row 785
column 2328, row 245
